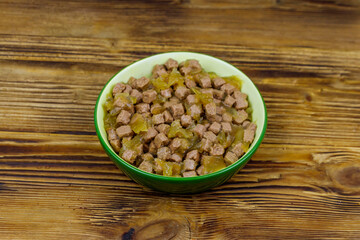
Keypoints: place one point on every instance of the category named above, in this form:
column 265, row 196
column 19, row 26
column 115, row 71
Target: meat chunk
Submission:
column 164, row 153
column 226, row 127
column 124, row 131
column 141, row 83
column 218, row 94
column 161, row 140
column 205, row 82
column 189, row 174
column 150, row 134
column 217, row 150
column 227, row 117
column 194, row 155
column 152, row 148
column 146, row 166
column 191, row 99
column 210, row 135
column 230, row 158
column 156, row 108
column 215, row 118
column 228, row 88
column 218, row 82
column 241, row 103
column 182, row 92
column 167, row 117
column 131, row 82
column 190, row 66
column 129, row 156
column 210, row 109
column 176, row 157
column 199, row 129
column 189, row 165
column 115, row 143
column 128, row 89
column 149, row 96
column 171, row 64
column 205, row 145
column 158, row 119
column 121, row 103
column 163, row 128
column 147, row 157
column 166, row 93
column 215, row 127
column 111, row 134
column 175, row 144
column 239, row 95
column 200, row 170
column 229, row 101
column 189, row 82
column 249, row 132
column 195, row 111
column 241, row 117
column 208, row 91
column 158, row 70
column 177, row 110
column 118, row 88
column 186, row 120
column 136, row 94
column 245, row 123
column 142, row 107
column 237, row 149
column 123, row 118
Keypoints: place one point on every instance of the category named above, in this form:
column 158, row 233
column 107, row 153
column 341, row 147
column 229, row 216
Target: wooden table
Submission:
column 56, row 181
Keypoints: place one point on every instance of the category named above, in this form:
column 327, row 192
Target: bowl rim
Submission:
column 232, row 167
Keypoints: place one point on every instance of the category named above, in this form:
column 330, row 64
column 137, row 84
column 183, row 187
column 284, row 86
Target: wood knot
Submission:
column 162, row 230
column 349, row 176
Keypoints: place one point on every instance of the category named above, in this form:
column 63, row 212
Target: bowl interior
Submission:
column 210, row 64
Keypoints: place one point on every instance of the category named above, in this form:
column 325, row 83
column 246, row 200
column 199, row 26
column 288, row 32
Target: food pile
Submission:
column 182, row 121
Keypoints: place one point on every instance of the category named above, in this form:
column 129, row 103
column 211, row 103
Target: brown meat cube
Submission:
column 239, row 95
column 189, row 165
column 147, row 157
column 210, row 135
column 229, row 101
column 241, row 103
column 164, row 153
column 156, row 108
column 166, row 93
column 150, row 134
column 158, row 70
column 174, row 99
column 227, row 117
column 189, row 82
column 228, row 88
column 129, row 156
column 175, row 144
column 215, row 127
column 167, row 117
column 199, row 129
column 205, row 145
column 177, row 110
column 121, row 103
column 218, row 82
column 208, row 91
column 186, row 120
column 142, row 107
column 123, row 117
column 191, row 99
column 152, row 148
column 124, row 131
column 131, row 82
column 226, row 127
column 200, row 170
column 163, row 128
column 128, row 89
column 220, row 110
column 115, row 143
column 206, row 124
column 161, row 140
column 149, row 96
column 205, row 82
column 190, row 66
column 158, row 119
column 195, row 111
column 194, row 155
column 230, row 158
column 146, row 166
column 111, row 134
column 217, row 150
column 176, row 157
column 118, row 88
column 215, row 118
column 189, row 174
column 241, row 117
column 171, row 64
column 245, row 123
column 136, row 94
column 249, row 133
column 115, row 111
column 218, row 94
column 182, row 92
column 237, row 149
column 146, row 115
column 210, row 109
column 142, row 83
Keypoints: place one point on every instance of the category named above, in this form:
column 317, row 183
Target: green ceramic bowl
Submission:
column 192, row 184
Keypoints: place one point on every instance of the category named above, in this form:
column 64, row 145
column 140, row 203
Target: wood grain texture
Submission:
column 56, row 181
